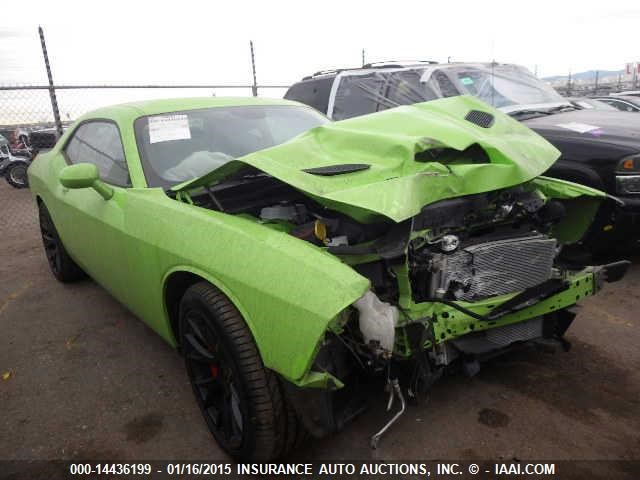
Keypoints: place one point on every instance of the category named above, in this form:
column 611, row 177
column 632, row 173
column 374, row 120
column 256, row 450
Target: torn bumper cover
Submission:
column 496, row 322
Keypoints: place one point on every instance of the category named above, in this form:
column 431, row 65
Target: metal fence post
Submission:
column 52, row 90
column 254, row 87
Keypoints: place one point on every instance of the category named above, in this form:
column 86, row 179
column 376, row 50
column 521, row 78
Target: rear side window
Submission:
column 314, row 92
column 99, row 143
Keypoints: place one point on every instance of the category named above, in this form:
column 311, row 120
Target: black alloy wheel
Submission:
column 241, row 400
column 62, row 265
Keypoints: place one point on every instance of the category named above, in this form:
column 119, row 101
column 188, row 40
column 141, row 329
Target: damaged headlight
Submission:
column 628, row 184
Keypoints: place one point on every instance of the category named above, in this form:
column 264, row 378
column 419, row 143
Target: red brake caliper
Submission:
column 214, row 370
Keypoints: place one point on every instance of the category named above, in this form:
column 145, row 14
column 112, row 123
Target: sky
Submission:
column 208, row 41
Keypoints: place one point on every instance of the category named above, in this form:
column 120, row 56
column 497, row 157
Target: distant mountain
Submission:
column 589, row 75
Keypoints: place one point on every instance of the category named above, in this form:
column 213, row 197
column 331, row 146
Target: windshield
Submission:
column 179, row 146
column 590, row 103
column 506, row 85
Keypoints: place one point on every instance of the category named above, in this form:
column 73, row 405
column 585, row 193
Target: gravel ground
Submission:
column 89, row 380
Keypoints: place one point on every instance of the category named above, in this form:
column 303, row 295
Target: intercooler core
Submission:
column 498, row 267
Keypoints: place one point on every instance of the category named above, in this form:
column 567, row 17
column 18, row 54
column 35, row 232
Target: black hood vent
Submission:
column 482, row 119
column 337, row 169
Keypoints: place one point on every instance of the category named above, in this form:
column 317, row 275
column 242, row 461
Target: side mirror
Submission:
column 84, row 175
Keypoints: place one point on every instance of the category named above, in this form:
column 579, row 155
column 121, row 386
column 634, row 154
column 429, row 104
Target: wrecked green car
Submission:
column 287, row 257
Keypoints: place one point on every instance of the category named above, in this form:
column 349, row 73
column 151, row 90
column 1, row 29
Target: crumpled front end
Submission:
column 463, row 280
column 442, row 209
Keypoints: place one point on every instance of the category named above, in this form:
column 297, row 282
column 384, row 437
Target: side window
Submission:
column 99, row 143
column 406, row 88
column 447, row 87
column 358, row 95
column 617, row 104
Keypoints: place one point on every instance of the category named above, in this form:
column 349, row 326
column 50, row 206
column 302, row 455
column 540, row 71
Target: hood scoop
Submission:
column 481, row 119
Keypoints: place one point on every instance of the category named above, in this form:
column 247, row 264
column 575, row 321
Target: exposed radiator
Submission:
column 496, row 268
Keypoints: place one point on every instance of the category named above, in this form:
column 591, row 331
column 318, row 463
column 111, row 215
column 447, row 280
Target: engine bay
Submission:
column 464, row 248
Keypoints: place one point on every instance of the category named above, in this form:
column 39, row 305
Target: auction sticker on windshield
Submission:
column 578, row 127
column 163, row 128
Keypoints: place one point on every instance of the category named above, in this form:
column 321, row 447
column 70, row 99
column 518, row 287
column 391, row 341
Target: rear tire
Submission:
column 62, row 265
column 242, row 401
column 16, row 175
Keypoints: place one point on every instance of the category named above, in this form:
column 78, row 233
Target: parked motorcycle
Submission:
column 14, row 167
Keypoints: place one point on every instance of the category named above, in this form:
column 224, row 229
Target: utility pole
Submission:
column 363, row 61
column 52, row 90
column 254, row 87
column 569, row 84
column 595, row 88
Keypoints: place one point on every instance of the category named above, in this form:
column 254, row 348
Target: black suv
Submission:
column 600, row 148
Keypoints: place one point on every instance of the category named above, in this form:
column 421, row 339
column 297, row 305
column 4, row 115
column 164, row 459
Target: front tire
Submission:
column 62, row 265
column 241, row 400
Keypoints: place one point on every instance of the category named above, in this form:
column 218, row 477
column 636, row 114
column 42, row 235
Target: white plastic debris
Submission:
column 377, row 320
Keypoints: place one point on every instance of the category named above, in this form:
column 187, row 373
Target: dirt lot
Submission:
column 89, row 380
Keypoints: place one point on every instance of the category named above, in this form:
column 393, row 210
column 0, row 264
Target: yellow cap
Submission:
column 320, row 230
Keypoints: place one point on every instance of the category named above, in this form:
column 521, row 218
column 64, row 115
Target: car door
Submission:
column 92, row 228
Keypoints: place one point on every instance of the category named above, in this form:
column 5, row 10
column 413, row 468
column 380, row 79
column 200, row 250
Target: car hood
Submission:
column 591, row 126
column 389, row 181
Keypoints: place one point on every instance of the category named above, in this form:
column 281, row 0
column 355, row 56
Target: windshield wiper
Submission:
column 517, row 113
column 560, row 108
column 546, row 111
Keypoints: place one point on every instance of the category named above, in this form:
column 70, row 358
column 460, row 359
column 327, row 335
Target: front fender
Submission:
column 287, row 290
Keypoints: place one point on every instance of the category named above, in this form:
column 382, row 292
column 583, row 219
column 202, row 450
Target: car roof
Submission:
column 382, row 66
column 631, row 93
column 134, row 110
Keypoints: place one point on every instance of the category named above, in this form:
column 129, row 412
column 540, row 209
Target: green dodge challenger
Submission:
column 289, row 258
